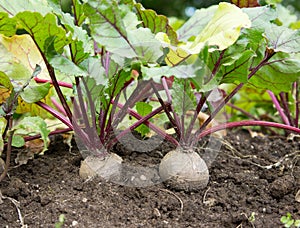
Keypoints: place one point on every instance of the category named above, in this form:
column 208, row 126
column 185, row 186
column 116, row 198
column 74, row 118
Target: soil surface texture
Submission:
column 253, row 183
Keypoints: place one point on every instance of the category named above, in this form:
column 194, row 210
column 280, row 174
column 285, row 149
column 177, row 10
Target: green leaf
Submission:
column 284, row 16
column 5, row 81
column 278, row 76
column 115, row 28
column 143, row 109
column 95, row 70
column 35, row 92
column 33, row 126
column 13, row 8
column 260, row 16
column 179, row 71
column 65, row 66
column 44, row 30
column 282, row 39
column 81, row 45
column 7, row 25
column 156, row 23
column 18, row 141
column 235, row 65
column 183, row 96
column 107, row 25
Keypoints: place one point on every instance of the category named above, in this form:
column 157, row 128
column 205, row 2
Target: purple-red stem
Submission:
column 151, row 126
column 198, row 109
column 55, row 113
column 166, row 109
column 64, row 120
column 176, row 118
column 216, row 67
column 91, row 103
column 278, row 107
column 242, row 111
column 244, row 123
column 284, row 97
column 263, row 62
column 82, row 105
column 55, row 82
column 58, row 106
column 60, row 83
column 297, row 102
column 135, row 125
column 137, row 95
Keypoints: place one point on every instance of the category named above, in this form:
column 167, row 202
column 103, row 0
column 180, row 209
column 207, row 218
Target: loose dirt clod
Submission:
column 184, row 171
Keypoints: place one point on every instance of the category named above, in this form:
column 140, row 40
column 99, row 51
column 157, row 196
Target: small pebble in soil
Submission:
column 156, row 213
column 143, row 177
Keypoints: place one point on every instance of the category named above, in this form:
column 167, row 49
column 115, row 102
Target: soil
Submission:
column 253, row 183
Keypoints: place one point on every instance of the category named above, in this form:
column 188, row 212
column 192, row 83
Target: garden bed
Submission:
column 242, row 191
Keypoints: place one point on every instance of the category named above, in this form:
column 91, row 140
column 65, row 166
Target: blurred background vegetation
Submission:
column 185, row 8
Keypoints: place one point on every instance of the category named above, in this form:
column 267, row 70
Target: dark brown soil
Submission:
column 253, row 183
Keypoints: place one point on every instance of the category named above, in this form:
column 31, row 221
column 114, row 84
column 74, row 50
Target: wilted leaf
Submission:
column 11, row 67
column 23, row 156
column 35, row 146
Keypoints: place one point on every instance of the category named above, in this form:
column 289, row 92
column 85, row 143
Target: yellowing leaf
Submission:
column 176, row 56
column 25, row 51
column 225, row 27
column 219, row 33
column 4, row 94
column 33, row 109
